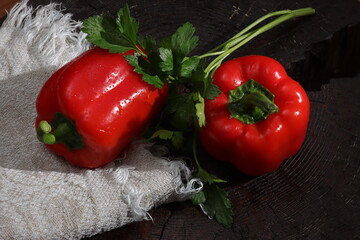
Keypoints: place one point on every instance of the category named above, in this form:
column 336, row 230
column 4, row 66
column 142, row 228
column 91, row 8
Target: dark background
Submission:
column 314, row 194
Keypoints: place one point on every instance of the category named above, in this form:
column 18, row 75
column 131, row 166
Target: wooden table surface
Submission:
column 316, row 193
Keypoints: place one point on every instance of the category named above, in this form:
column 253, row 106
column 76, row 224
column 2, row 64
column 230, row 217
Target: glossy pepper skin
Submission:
column 257, row 148
column 108, row 103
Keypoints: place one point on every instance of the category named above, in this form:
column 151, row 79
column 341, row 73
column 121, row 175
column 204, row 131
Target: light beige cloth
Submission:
column 41, row 195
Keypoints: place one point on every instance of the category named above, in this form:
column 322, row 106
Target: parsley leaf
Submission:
column 117, row 35
column 163, row 134
column 178, row 46
column 176, row 137
column 207, row 177
column 217, row 204
column 180, row 111
column 213, row 200
column 151, row 79
column 200, row 111
column 168, row 62
column 202, row 88
column 165, row 42
column 147, row 42
column 211, row 90
column 183, row 40
column 127, row 25
column 102, row 31
column 188, row 66
column 198, row 198
column 204, row 84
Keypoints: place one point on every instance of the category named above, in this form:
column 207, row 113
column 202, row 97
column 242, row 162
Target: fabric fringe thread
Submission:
column 48, row 31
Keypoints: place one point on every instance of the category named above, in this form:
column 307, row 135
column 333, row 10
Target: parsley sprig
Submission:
column 117, row 35
column 189, row 77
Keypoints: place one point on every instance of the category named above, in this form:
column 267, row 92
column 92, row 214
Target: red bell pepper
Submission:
column 93, row 107
column 261, row 117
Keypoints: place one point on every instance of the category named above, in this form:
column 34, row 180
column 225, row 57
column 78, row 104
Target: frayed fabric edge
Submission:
column 51, row 34
column 185, row 186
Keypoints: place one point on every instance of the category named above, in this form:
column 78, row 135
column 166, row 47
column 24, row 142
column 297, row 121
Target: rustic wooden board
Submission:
column 316, row 193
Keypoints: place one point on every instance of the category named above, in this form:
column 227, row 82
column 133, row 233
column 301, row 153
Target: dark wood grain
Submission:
column 316, row 193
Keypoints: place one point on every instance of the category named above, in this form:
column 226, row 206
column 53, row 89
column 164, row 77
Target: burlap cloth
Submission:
column 41, row 195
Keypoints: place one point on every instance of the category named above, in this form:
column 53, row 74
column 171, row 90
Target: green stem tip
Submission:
column 45, row 127
column 60, row 130
column 48, row 138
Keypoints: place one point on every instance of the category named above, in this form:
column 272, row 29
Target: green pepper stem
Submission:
column 251, row 102
column 49, row 136
column 244, row 36
column 45, row 127
column 61, row 130
column 261, row 101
